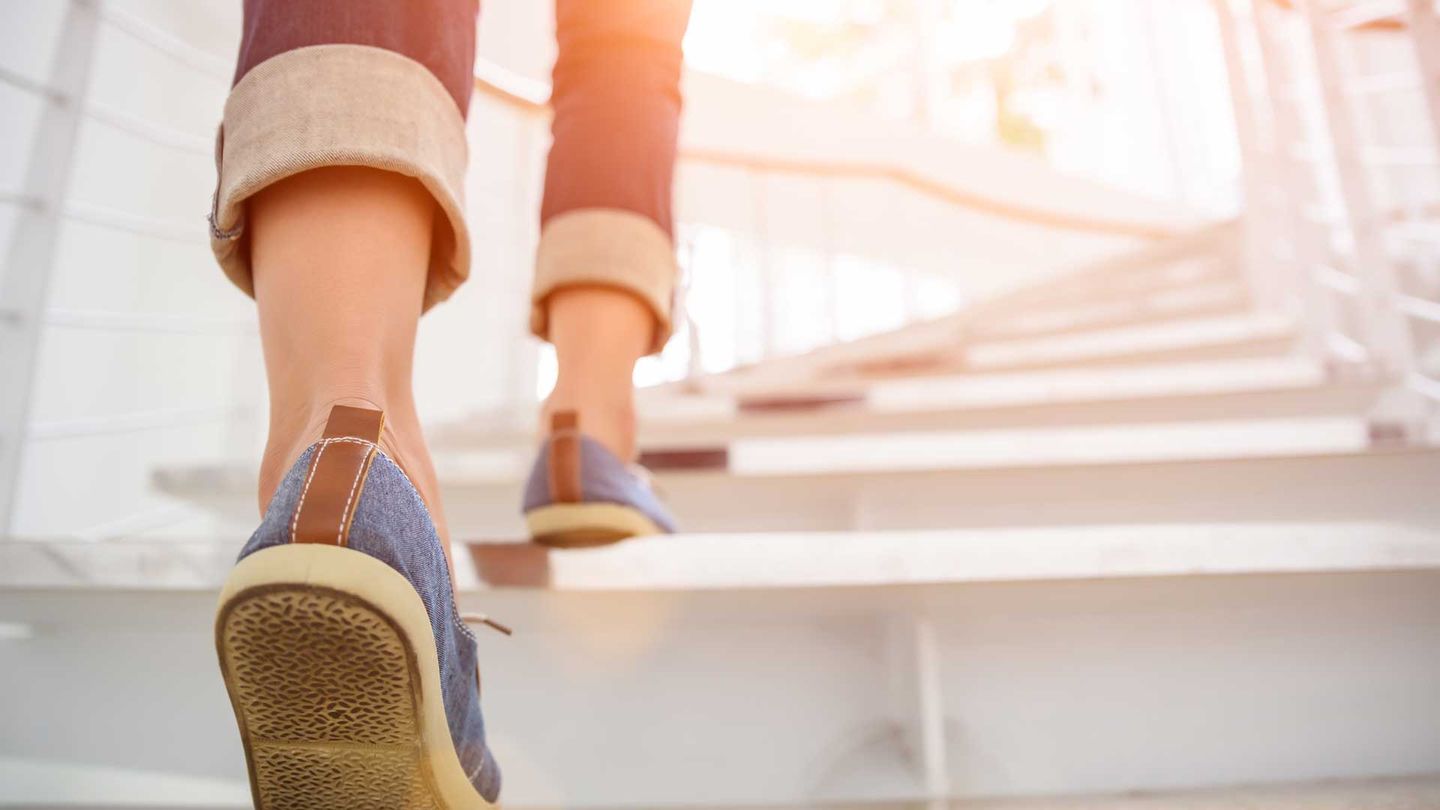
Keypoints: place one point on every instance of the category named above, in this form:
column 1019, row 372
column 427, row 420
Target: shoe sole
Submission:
column 586, row 525
column 330, row 663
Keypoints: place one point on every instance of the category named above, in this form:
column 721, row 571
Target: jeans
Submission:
column 387, row 83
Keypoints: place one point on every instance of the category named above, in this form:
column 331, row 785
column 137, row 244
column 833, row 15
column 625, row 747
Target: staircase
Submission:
column 1156, row 527
column 1125, row 509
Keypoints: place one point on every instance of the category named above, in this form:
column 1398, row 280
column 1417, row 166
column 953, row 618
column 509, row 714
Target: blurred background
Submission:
column 1055, row 417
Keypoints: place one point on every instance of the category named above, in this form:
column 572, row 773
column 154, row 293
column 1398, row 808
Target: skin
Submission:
column 599, row 334
column 340, row 257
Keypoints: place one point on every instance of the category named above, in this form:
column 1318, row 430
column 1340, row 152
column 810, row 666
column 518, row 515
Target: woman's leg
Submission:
column 340, row 258
column 599, row 333
column 338, row 206
column 606, row 267
column 342, row 156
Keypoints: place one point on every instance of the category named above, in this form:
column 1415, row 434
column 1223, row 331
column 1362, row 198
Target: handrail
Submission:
column 960, row 198
column 510, row 88
column 532, row 97
column 1383, row 15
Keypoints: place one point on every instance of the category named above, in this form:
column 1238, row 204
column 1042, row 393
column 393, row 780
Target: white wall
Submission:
column 149, row 357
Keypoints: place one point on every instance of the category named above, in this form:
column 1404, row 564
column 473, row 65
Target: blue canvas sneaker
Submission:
column 353, row 678
column 581, row 494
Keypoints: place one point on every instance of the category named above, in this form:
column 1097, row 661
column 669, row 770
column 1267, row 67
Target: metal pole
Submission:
column 1164, row 95
column 916, row 689
column 30, row 259
column 1387, row 333
column 1425, row 30
column 1257, row 175
column 766, row 267
column 829, row 292
column 1290, row 179
column 694, row 360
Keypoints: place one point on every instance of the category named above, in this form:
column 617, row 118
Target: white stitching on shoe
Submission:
column 456, row 620
column 470, row 777
column 319, row 448
column 314, row 464
column 354, row 485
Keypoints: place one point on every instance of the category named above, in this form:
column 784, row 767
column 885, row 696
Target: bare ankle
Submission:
column 295, row 427
column 599, row 333
column 609, row 420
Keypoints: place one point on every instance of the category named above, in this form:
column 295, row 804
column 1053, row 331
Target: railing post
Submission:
column 1387, row 333
column 1424, row 22
column 695, row 354
column 30, row 259
column 768, row 310
column 915, row 685
column 1425, row 30
column 829, row 289
column 1289, row 180
column 522, row 353
column 1257, row 171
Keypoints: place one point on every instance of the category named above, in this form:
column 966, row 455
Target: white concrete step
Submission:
column 1182, row 265
column 947, row 347
column 1100, row 689
column 1010, row 448
column 1244, row 335
column 1126, row 285
column 767, row 560
column 1261, row 388
column 1420, row 793
column 778, row 560
column 1207, row 298
column 94, row 788
column 482, row 494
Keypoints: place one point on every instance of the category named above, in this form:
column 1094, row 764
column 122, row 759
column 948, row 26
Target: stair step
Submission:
column 749, row 560
column 897, row 418
column 482, row 493
column 1257, row 387
column 1142, row 689
column 1040, row 446
column 1181, row 265
column 807, row 559
column 1214, row 337
column 1129, row 285
column 1392, row 794
column 1218, row 336
column 1225, row 296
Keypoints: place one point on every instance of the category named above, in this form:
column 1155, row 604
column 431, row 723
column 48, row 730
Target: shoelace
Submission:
column 481, row 618
column 645, row 477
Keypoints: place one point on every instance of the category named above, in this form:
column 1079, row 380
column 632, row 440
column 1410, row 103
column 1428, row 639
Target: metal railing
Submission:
column 1336, row 220
column 529, row 99
column 43, row 210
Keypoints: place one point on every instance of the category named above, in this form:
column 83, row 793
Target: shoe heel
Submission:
column 330, row 663
column 586, row 525
column 569, row 522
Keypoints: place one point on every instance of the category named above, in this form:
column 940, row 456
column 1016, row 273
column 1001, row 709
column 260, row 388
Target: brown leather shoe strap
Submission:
column 337, row 476
column 564, row 462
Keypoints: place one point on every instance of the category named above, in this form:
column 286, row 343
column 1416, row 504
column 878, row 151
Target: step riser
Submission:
column 807, row 696
column 1399, row 486
column 1065, row 320
column 1303, row 403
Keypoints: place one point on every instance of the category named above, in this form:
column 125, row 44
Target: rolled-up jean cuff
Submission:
column 341, row 105
column 610, row 248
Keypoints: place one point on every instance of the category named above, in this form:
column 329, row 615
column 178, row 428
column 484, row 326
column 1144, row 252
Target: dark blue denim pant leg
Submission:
column 358, row 82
